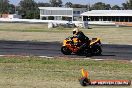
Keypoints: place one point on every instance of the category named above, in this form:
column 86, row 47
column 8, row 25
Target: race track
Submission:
column 52, row 49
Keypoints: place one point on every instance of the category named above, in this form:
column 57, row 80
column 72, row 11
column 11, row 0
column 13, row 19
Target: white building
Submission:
column 61, row 13
column 108, row 15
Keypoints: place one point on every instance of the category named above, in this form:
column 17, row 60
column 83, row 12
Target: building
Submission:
column 108, row 15
column 61, row 13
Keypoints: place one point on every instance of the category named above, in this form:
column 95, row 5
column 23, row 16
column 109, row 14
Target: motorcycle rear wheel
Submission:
column 96, row 50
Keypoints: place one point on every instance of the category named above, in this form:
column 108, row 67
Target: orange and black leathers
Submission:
column 81, row 37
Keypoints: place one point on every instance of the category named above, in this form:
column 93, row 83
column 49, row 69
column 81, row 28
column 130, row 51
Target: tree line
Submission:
column 29, row 8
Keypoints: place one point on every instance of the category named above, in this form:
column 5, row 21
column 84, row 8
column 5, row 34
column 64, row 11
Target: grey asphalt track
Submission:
column 52, row 49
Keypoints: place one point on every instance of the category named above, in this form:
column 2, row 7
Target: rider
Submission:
column 81, row 37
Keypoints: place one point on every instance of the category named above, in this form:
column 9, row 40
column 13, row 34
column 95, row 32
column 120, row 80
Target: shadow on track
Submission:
column 107, row 55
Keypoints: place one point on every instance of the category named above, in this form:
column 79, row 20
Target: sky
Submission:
column 112, row 2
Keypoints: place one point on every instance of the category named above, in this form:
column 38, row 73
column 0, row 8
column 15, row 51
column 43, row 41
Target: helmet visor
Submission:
column 74, row 32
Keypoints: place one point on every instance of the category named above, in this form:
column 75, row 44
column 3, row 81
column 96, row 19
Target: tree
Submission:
column 101, row 6
column 56, row 3
column 28, row 9
column 68, row 4
column 108, row 7
column 116, row 7
column 4, row 6
column 41, row 4
column 79, row 6
column 125, row 6
column 129, row 3
column 12, row 9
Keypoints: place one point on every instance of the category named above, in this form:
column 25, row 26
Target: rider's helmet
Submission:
column 75, row 31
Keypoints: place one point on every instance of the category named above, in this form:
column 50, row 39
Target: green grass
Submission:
column 33, row 72
column 21, row 27
column 40, row 33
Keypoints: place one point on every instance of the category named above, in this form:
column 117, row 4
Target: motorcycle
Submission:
column 92, row 49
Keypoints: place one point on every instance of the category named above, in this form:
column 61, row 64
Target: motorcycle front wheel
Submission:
column 65, row 50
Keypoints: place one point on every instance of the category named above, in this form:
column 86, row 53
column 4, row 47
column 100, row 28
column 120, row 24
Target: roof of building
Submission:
column 108, row 13
column 55, row 8
column 61, row 8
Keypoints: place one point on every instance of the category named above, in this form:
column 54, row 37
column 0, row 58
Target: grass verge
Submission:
column 40, row 33
column 34, row 72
